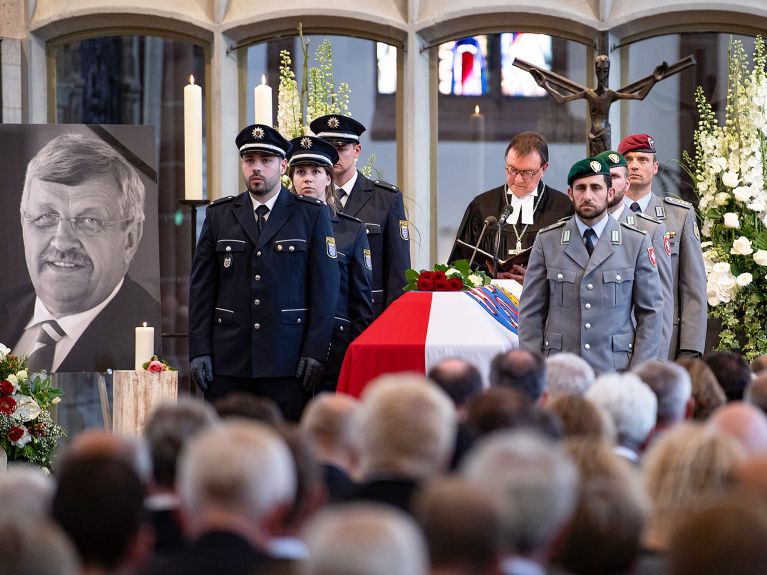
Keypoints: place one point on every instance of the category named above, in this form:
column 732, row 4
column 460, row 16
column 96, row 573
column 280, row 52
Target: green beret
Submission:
column 587, row 167
column 613, row 159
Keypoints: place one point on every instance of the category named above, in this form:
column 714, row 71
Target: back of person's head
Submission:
column 240, row 468
column 672, row 387
column 756, row 392
column 723, row 537
column 460, row 379
column 25, row 491
column 169, row 427
column 35, row 546
column 732, row 372
column 249, row 406
column 746, row 423
column 596, row 458
column 364, row 539
column 99, row 443
column 407, row 427
column 499, row 408
column 707, row 394
column 759, row 364
column 329, row 419
column 461, row 524
column 523, row 371
column 630, row 403
column 567, row 374
column 689, row 465
column 582, row 418
column 99, row 503
column 533, row 482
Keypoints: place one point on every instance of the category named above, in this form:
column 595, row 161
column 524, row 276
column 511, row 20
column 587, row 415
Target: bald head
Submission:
column 745, row 423
column 329, row 421
column 752, row 474
column 458, row 378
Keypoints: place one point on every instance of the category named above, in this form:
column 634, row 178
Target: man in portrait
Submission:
column 82, row 217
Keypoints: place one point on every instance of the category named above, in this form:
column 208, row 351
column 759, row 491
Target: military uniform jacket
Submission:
column 688, row 273
column 380, row 206
column 553, row 207
column 354, row 311
column 656, row 230
column 573, row 303
column 259, row 303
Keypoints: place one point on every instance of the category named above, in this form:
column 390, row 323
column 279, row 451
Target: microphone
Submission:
column 489, row 221
column 504, row 216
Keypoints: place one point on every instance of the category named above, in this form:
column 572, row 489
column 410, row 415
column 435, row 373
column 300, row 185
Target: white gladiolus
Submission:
column 731, row 220
column 730, row 179
column 741, row 247
column 744, row 279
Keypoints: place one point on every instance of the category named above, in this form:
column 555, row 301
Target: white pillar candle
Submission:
column 262, row 101
column 192, row 141
column 144, row 346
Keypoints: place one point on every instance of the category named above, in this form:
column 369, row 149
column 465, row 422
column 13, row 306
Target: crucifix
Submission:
column 600, row 99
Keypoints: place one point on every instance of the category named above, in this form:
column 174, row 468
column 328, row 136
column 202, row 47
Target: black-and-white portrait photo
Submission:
column 81, row 259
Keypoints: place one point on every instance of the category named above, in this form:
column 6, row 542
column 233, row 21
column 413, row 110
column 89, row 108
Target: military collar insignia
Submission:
column 258, row 132
column 565, row 236
column 631, row 220
column 333, row 122
column 615, row 237
column 660, row 213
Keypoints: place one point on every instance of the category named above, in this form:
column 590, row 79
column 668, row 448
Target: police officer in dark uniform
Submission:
column 264, row 284
column 310, row 167
column 378, row 204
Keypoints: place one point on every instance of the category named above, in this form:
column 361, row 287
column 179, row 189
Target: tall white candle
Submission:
column 144, row 346
column 192, row 141
column 262, row 101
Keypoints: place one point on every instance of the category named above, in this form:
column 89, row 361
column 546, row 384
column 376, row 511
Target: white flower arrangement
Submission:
column 729, row 172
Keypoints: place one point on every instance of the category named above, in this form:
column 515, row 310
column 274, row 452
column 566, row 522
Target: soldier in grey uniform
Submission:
column 688, row 272
column 589, row 279
column 657, row 232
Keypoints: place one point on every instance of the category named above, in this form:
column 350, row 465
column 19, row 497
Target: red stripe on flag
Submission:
column 394, row 342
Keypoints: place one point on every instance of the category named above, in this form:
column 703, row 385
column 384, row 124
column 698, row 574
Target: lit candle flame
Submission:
column 263, row 79
column 191, row 79
column 476, row 109
column 144, row 324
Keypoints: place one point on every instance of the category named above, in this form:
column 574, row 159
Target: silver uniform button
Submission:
column 291, row 249
column 257, row 325
column 219, row 320
column 341, row 328
column 590, row 286
column 587, row 326
column 257, row 278
column 587, row 346
column 560, row 276
column 298, row 320
column 618, row 277
column 257, row 302
column 587, row 306
column 258, row 253
column 547, row 342
column 229, row 248
column 631, row 346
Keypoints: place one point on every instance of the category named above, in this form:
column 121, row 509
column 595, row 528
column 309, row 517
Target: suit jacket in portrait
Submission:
column 380, row 207
column 258, row 303
column 110, row 339
column 587, row 305
column 554, row 205
column 688, row 272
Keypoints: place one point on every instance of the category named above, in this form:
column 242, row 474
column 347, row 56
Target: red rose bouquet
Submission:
column 455, row 277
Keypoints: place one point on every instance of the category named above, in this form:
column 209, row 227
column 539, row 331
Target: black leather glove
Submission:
column 202, row 371
column 688, row 354
column 311, row 370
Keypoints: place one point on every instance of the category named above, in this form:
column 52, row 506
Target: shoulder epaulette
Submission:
column 630, row 227
column 348, row 217
column 221, row 200
column 309, row 200
column 647, row 217
column 677, row 202
column 386, row 186
column 554, row 226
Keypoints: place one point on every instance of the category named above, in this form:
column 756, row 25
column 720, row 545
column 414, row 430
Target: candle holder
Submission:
column 193, row 205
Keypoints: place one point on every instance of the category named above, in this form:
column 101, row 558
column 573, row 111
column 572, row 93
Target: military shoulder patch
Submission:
column 651, row 254
column 386, row 186
column 221, row 201
column 677, row 202
column 330, row 246
column 558, row 224
column 634, row 228
column 368, row 259
column 404, row 233
column 647, row 217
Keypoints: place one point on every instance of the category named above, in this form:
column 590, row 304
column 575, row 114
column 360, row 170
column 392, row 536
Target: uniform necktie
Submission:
column 342, row 196
column 42, row 353
column 261, row 212
column 588, row 239
column 634, row 207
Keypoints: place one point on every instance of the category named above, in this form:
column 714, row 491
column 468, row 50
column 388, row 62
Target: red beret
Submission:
column 637, row 143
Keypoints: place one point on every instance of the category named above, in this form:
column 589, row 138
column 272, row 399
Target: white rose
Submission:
column 742, row 193
column 475, row 280
column 760, row 258
column 731, row 220
column 744, row 279
column 730, row 179
column 741, row 247
column 722, row 198
column 452, row 272
column 22, row 375
column 721, row 268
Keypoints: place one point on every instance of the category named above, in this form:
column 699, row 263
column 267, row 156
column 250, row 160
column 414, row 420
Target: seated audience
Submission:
column 707, row 394
column 756, row 392
column 504, row 408
column 459, row 379
column 25, row 491
column 249, row 406
column 98, row 443
column 744, row 422
column 582, row 418
column 365, row 539
column 329, row 420
column 522, row 371
column 732, row 372
column 567, row 374
column 34, row 545
column 407, row 432
column 534, row 486
column 672, row 388
column 632, row 407
column 462, row 527
column 759, row 364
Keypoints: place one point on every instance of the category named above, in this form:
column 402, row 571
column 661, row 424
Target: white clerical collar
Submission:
column 525, row 206
column 73, row 325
